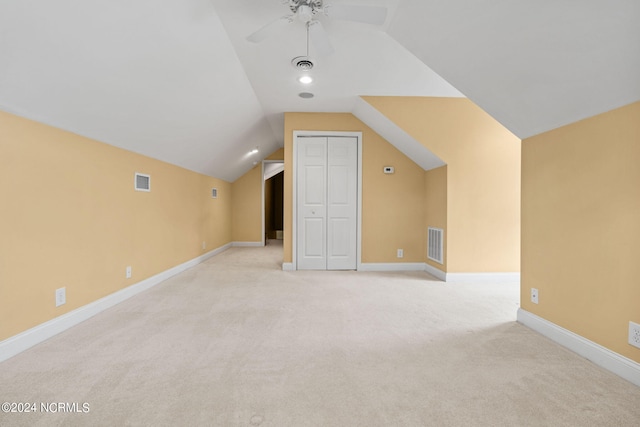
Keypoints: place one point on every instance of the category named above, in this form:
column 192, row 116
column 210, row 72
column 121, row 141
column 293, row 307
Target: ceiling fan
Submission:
column 307, row 11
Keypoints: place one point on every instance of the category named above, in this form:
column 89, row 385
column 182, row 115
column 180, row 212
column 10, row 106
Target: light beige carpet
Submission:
column 236, row 341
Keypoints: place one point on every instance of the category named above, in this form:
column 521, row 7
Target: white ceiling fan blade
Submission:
column 356, row 12
column 270, row 29
column 320, row 38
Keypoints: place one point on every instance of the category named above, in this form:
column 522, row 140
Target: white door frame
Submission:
column 294, row 225
column 263, row 201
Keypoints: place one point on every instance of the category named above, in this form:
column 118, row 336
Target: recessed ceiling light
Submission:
column 305, row 95
column 254, row 151
column 305, row 80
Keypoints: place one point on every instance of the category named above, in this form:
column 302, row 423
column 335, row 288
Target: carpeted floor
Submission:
column 236, row 341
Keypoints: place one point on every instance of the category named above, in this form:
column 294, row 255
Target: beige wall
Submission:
column 581, row 227
column 246, row 206
column 483, row 178
column 393, row 205
column 276, row 155
column 70, row 217
column 436, row 207
column 246, row 203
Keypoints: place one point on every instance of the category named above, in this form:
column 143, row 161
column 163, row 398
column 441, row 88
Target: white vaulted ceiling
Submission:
column 366, row 61
column 178, row 81
column 158, row 77
column 532, row 65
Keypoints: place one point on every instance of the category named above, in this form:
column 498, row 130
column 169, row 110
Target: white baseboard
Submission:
column 24, row 340
column 287, row 266
column 392, row 266
column 439, row 274
column 481, row 278
column 247, row 244
column 601, row 356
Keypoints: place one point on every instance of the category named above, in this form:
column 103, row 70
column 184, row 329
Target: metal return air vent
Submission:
column 435, row 242
column 142, row 182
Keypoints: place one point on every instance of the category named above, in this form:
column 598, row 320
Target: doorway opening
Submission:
column 273, row 202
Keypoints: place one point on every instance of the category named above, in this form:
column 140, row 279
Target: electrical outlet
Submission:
column 61, row 296
column 128, row 274
column 400, row 253
column 534, row 295
column 204, row 245
column 634, row 334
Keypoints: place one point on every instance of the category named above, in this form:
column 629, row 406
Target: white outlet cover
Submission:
column 534, row 295
column 61, row 296
column 400, row 253
column 128, row 273
column 634, row 334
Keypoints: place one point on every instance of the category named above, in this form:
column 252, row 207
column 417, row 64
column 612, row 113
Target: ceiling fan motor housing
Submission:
column 305, row 9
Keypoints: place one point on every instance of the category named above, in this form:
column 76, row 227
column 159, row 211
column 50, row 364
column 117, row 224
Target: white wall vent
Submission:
column 142, row 182
column 435, row 243
column 214, row 193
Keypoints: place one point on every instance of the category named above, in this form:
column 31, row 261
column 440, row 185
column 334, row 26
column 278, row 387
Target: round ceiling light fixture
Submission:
column 305, row 95
column 305, row 80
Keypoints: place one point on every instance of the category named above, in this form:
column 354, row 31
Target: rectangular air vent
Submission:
column 214, row 193
column 142, row 182
column 435, row 242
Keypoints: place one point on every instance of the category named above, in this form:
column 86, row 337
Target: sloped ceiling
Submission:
column 158, row 77
column 178, row 81
column 366, row 61
column 532, row 65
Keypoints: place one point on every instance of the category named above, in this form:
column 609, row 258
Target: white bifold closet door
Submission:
column 327, row 185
